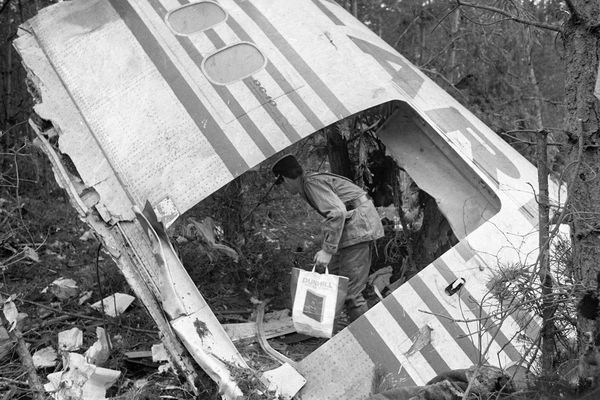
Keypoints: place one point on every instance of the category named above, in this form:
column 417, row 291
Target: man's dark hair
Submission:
column 287, row 166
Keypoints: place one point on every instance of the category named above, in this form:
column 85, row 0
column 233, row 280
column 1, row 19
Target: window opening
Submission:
column 196, row 17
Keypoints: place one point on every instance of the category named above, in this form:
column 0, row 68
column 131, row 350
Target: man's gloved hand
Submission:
column 322, row 258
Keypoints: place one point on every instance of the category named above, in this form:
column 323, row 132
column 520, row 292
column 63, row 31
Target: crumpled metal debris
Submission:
column 114, row 304
column 99, row 352
column 45, row 358
column 70, row 340
column 80, row 380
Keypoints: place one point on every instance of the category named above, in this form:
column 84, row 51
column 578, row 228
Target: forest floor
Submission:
column 279, row 235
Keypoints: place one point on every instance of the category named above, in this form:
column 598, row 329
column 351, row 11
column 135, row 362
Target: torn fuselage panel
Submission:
column 134, row 93
column 74, row 137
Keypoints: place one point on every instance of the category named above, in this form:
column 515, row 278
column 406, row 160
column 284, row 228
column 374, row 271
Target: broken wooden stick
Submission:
column 15, row 334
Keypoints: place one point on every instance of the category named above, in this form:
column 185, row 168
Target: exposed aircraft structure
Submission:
column 156, row 104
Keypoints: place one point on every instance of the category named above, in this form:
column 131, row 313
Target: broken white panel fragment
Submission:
column 44, row 358
column 284, row 380
column 87, row 235
column 63, row 288
column 12, row 315
column 70, row 340
column 114, row 304
column 99, row 352
column 85, row 296
column 159, row 353
column 80, row 380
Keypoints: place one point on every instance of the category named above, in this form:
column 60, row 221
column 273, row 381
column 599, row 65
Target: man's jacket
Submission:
column 350, row 217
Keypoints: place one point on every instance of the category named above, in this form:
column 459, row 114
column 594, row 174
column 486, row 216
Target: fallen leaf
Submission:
column 11, row 314
column 44, row 358
column 31, row 254
column 64, row 288
column 99, row 352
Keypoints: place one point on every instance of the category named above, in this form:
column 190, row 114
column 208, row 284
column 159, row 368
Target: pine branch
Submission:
column 511, row 17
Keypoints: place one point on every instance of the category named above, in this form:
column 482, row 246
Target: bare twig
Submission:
column 397, row 42
column 13, row 381
column 102, row 294
column 511, row 17
column 83, row 316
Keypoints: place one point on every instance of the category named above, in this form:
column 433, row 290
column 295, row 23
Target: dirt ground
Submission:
column 281, row 233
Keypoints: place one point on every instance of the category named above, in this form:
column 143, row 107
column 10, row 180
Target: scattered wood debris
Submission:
column 277, row 323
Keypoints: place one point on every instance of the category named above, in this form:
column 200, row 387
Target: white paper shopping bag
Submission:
column 318, row 298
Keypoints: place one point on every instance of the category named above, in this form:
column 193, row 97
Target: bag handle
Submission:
column 326, row 269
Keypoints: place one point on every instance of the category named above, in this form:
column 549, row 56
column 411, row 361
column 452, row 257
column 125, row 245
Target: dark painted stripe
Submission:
column 526, row 321
column 489, row 326
column 293, row 95
column 464, row 249
column 378, row 351
column 270, row 106
column 327, row 12
column 530, row 211
column 157, row 5
column 280, row 120
column 224, row 93
column 429, row 353
column 487, row 154
column 278, row 77
column 453, row 328
column 407, row 77
column 195, row 108
column 334, row 104
column 229, row 99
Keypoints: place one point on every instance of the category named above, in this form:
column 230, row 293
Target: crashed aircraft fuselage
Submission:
column 162, row 102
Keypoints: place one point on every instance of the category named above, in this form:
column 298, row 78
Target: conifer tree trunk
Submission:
column 582, row 51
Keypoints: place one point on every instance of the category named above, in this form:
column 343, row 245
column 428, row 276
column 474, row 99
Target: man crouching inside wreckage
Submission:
column 351, row 224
